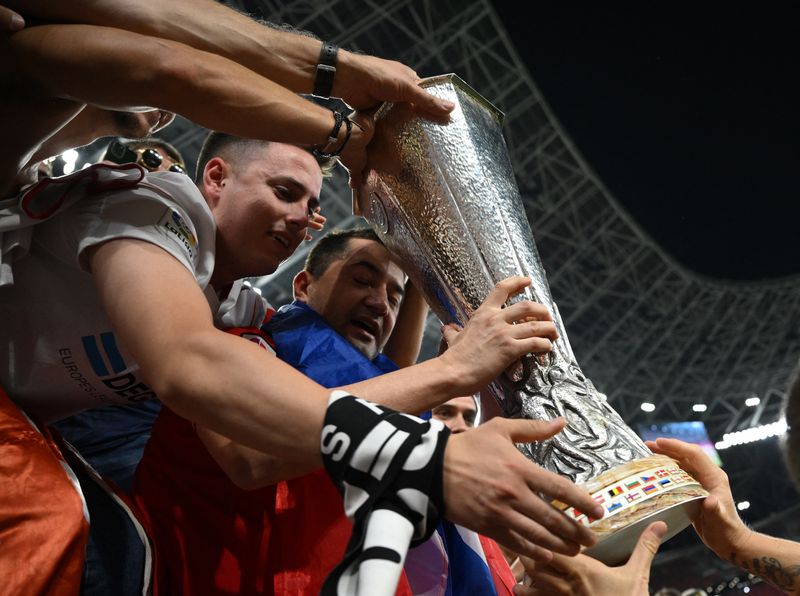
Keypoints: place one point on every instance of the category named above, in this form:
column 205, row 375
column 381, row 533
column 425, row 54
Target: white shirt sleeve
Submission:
column 165, row 209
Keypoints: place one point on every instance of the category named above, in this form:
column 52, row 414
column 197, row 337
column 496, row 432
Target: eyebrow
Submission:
column 394, row 285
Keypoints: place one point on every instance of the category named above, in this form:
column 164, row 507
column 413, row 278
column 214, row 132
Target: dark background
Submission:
column 689, row 118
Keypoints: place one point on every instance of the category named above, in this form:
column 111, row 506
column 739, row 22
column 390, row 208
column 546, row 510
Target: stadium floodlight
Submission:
column 756, row 433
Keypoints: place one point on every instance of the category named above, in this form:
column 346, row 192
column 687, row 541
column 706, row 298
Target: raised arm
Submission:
column 121, row 70
column 774, row 560
column 406, row 339
column 50, row 71
column 285, row 57
column 493, row 339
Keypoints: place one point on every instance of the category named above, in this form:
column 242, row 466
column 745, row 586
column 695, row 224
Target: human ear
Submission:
column 214, row 175
column 300, row 285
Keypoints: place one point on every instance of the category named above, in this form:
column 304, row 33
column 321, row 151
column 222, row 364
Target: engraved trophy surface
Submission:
column 444, row 200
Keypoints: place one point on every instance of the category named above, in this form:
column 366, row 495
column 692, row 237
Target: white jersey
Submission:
column 58, row 353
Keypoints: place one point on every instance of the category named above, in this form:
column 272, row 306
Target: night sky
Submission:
column 691, row 120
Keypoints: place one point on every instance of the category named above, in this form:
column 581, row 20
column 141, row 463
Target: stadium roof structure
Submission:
column 643, row 327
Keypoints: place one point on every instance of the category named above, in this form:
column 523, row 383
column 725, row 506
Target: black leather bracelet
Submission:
column 324, row 151
column 326, row 70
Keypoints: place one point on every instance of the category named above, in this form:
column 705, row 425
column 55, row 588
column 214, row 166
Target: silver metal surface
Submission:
column 444, row 199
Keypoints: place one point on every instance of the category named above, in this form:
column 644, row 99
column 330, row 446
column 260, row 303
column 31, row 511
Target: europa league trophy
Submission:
column 443, row 199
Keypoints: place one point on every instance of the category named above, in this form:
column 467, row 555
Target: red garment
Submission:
column 504, row 580
column 310, row 534
column 211, row 537
column 43, row 529
column 323, row 528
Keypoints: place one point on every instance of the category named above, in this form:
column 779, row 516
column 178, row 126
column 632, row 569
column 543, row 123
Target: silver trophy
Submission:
column 444, row 200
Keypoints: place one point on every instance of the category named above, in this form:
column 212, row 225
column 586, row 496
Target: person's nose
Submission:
column 458, row 424
column 299, row 215
column 378, row 301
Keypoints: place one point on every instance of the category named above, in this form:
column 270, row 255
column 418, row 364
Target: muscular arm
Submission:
column 208, row 376
column 287, row 58
column 248, row 468
column 118, row 69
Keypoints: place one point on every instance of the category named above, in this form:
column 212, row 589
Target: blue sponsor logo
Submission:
column 108, row 364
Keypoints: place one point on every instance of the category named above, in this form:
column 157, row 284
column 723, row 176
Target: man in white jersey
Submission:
column 115, row 303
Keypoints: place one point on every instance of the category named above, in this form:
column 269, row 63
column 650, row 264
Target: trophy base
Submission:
column 634, row 495
column 614, row 549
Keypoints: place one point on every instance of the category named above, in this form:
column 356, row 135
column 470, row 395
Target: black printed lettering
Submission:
column 120, row 383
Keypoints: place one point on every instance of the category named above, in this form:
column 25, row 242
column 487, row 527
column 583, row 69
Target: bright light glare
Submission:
column 757, row 433
column 699, row 407
column 648, row 407
column 741, row 506
column 70, row 156
column 751, row 402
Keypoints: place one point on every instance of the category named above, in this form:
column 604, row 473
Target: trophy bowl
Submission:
column 443, row 199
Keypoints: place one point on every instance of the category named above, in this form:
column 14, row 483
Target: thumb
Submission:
column 646, row 549
column 449, row 332
column 525, row 431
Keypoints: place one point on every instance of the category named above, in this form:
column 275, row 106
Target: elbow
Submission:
column 248, row 482
column 241, row 471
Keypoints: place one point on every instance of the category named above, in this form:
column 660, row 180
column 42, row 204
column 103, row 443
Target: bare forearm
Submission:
column 249, row 468
column 774, row 560
column 234, row 388
column 412, row 390
column 286, row 58
column 118, row 69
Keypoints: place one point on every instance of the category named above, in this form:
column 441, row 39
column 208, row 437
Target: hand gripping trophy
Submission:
column 444, row 200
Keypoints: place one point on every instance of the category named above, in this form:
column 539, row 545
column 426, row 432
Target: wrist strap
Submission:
column 389, row 468
column 326, row 70
column 326, row 151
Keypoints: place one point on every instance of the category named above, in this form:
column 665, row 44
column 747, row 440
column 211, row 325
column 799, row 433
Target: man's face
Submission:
column 359, row 296
column 458, row 414
column 262, row 208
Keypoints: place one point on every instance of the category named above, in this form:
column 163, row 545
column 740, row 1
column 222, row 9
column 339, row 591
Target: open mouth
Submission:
column 368, row 325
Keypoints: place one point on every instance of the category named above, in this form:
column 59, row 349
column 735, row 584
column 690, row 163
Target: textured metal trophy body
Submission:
column 444, row 200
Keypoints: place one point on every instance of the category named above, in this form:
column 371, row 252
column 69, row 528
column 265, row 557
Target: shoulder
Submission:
column 109, row 203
